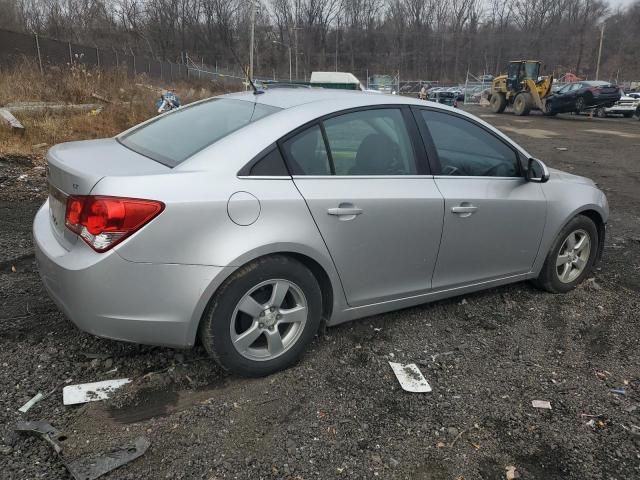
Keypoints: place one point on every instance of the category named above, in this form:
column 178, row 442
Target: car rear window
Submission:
column 172, row 138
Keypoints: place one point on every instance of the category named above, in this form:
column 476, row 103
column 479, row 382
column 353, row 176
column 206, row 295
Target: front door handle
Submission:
column 465, row 209
column 344, row 211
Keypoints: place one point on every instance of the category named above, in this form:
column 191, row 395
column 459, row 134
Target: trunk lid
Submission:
column 74, row 168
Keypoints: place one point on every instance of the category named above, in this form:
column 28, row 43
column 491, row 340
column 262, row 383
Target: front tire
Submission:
column 601, row 112
column 522, row 104
column 262, row 317
column 571, row 257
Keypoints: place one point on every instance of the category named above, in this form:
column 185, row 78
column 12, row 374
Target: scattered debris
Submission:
column 12, row 121
column 463, row 301
column 91, row 392
column 38, row 146
column 618, row 391
column 456, row 439
column 512, row 473
column 88, row 468
column 562, row 149
column 592, row 282
column 541, row 404
column 40, row 107
column 102, row 98
column 410, row 377
column 25, row 408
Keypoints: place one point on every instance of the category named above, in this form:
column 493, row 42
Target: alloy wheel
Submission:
column 573, row 256
column 268, row 320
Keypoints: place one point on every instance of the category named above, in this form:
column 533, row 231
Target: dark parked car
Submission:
column 579, row 96
column 446, row 98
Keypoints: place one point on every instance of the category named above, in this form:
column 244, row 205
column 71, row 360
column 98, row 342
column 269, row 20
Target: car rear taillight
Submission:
column 103, row 222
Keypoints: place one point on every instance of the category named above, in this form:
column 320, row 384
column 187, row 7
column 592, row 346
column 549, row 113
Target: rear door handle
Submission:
column 344, row 211
column 465, row 209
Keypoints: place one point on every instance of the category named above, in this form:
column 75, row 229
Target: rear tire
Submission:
column 498, row 102
column 569, row 261
column 262, row 317
column 522, row 104
column 580, row 104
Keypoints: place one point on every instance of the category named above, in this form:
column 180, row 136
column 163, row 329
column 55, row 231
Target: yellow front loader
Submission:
column 522, row 87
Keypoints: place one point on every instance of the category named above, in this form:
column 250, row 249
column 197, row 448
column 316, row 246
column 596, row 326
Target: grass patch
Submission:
column 131, row 102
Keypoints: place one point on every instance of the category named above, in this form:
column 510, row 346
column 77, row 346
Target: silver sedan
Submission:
column 245, row 221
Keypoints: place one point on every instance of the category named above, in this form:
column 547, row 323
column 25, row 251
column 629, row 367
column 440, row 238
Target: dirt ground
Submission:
column 340, row 413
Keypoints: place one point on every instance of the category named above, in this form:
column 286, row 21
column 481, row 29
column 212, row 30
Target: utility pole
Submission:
column 599, row 52
column 337, row 37
column 253, row 26
column 295, row 34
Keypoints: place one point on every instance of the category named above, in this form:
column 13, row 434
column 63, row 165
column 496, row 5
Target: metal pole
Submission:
column 290, row 63
column 70, row 54
column 253, row 25
column 39, row 56
column 337, row 32
column 599, row 52
column 98, row 57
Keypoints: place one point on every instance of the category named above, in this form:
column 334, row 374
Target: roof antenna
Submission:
column 253, row 86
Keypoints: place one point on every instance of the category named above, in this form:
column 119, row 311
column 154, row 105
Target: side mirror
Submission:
column 537, row 171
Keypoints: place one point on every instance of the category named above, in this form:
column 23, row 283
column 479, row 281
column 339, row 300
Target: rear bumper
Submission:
column 622, row 109
column 107, row 296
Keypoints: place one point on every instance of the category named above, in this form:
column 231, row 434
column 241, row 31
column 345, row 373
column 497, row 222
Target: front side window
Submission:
column 466, row 149
column 370, row 142
column 172, row 138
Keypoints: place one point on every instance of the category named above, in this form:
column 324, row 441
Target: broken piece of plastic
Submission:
column 89, row 468
column 25, row 408
column 541, row 404
column 410, row 378
column 91, row 392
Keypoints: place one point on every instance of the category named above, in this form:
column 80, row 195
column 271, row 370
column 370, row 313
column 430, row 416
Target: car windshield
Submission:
column 172, row 138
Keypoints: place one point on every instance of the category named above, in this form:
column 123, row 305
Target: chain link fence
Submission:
column 476, row 89
column 15, row 46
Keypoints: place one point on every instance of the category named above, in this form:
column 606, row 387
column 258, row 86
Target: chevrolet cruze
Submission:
column 244, row 221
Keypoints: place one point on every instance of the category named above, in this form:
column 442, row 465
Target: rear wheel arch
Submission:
column 319, row 272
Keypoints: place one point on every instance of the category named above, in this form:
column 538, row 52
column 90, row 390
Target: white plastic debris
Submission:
column 25, row 408
column 410, row 377
column 541, row 404
column 91, row 392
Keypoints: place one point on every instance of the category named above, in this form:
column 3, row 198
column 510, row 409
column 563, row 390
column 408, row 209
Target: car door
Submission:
column 494, row 218
column 365, row 181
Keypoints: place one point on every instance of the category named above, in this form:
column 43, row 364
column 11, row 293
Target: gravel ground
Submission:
column 340, row 412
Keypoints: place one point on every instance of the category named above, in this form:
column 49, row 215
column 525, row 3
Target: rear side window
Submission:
column 370, row 142
column 307, row 154
column 271, row 165
column 173, row 138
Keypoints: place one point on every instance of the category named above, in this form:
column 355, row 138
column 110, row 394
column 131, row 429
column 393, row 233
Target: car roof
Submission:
column 293, row 97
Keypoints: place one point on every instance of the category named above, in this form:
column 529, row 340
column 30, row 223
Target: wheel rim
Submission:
column 268, row 320
column 573, row 256
column 579, row 104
